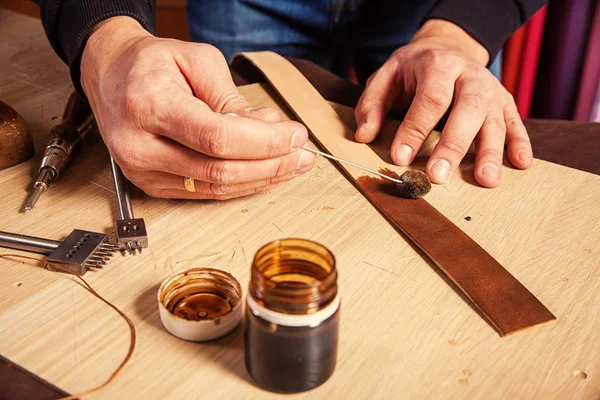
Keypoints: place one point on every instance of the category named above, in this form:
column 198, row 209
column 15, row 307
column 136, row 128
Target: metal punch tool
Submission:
column 78, row 253
column 65, row 141
column 131, row 231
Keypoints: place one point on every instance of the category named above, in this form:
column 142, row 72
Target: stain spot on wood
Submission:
column 580, row 375
column 463, row 382
column 326, row 208
column 564, row 279
column 244, row 210
column 452, row 342
column 467, row 372
column 17, row 284
column 271, row 203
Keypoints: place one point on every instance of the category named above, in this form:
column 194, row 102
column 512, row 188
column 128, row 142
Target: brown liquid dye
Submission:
column 292, row 277
column 198, row 306
column 201, row 294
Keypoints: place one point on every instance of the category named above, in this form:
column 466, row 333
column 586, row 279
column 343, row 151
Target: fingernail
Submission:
column 404, row 154
column 299, row 138
column 360, row 127
column 441, row 170
column 525, row 157
column 306, row 159
column 490, row 170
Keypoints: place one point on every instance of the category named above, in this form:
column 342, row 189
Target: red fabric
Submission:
column 529, row 62
column 511, row 60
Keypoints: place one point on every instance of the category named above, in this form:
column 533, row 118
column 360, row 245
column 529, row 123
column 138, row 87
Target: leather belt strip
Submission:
column 499, row 297
column 18, row 383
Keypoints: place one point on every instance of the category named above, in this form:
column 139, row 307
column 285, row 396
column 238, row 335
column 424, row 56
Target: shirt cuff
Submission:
column 488, row 22
column 76, row 19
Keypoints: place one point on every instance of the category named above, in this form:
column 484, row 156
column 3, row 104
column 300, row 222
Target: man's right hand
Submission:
column 158, row 104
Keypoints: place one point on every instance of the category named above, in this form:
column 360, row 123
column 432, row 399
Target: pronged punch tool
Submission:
column 131, row 231
column 80, row 252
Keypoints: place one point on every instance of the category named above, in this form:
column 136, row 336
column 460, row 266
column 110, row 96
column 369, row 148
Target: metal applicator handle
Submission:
column 337, row 158
column 122, row 191
column 351, row 163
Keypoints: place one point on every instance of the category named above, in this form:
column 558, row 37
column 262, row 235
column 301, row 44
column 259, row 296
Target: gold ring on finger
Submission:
column 189, row 184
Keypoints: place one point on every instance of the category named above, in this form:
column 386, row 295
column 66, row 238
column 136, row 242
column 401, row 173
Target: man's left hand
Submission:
column 440, row 67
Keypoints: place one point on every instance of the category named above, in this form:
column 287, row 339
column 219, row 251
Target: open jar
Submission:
column 292, row 316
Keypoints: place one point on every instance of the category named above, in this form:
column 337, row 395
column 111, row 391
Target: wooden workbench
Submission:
column 405, row 333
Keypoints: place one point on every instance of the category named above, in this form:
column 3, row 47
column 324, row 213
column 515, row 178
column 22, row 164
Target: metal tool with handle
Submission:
column 65, row 138
column 131, row 231
column 78, row 253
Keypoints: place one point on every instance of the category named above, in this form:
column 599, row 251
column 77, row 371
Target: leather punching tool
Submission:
column 80, row 252
column 65, row 139
column 131, row 231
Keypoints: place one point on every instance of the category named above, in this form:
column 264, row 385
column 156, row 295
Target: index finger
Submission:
column 432, row 98
column 191, row 122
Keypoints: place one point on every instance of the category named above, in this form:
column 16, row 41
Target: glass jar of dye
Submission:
column 292, row 316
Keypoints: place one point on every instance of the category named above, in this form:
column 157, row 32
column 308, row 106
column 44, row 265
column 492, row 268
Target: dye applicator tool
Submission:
column 412, row 184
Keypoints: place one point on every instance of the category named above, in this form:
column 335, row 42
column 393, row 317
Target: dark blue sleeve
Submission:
column 490, row 22
column 67, row 24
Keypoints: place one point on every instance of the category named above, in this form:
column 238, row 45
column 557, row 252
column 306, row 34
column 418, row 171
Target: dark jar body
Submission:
column 292, row 316
column 290, row 359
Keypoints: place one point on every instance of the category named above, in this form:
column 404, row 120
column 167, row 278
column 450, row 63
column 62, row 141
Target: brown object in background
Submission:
column 171, row 19
column 16, row 144
column 21, row 6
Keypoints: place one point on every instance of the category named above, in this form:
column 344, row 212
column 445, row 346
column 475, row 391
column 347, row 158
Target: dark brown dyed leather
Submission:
column 503, row 301
column 18, row 383
column 499, row 297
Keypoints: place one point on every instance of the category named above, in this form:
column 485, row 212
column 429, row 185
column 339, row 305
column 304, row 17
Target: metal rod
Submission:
column 337, row 158
column 27, row 243
column 87, row 125
column 33, row 198
column 122, row 190
column 40, row 186
column 352, row 164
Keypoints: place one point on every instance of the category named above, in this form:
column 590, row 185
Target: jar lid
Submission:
column 200, row 304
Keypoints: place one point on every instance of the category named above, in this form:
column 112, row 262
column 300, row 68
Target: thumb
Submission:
column 208, row 75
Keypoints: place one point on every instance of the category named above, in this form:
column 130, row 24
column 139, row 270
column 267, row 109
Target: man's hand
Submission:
column 444, row 66
column 158, row 103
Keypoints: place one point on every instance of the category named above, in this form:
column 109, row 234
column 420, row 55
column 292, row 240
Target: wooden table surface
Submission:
column 405, row 333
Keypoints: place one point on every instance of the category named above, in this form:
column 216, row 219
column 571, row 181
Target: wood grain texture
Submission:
column 404, row 332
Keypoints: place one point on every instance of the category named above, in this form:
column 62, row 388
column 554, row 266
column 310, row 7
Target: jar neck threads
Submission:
column 293, row 276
